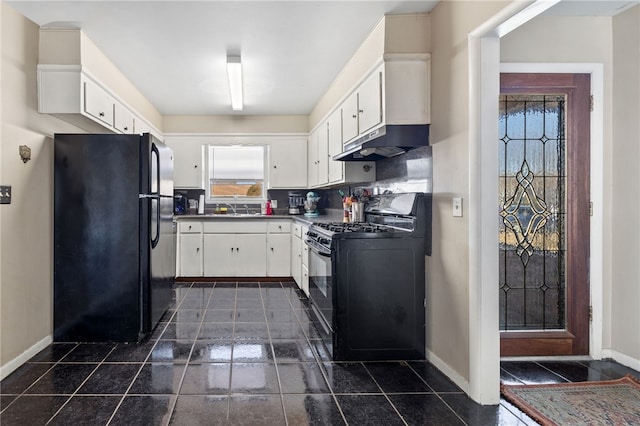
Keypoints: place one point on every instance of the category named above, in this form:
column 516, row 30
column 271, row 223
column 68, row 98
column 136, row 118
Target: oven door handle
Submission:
column 318, row 250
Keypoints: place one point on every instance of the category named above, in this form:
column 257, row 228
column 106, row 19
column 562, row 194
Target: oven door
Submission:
column 321, row 291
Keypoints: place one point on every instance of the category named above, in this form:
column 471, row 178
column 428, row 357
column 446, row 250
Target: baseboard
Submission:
column 25, row 356
column 623, row 359
column 448, row 371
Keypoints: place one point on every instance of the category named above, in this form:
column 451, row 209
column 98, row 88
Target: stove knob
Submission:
column 324, row 241
column 312, row 234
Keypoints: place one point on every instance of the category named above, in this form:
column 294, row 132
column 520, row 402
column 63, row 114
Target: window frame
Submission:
column 210, row 200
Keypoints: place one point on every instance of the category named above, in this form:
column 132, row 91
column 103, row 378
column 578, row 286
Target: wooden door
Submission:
column 544, row 214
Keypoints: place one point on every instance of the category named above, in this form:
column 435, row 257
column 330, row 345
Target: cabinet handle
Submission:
column 195, row 167
column 275, row 167
column 197, row 249
column 279, row 226
column 354, row 116
column 231, row 249
column 189, row 226
column 361, row 111
column 271, row 248
column 126, row 128
column 101, row 114
column 237, row 249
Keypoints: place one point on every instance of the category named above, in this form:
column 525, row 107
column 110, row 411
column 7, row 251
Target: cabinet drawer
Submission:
column 190, row 227
column 236, row 227
column 297, row 230
column 279, row 227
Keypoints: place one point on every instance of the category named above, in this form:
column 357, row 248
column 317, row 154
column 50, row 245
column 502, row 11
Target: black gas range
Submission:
column 367, row 280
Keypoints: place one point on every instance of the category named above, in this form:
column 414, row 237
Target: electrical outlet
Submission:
column 457, row 207
column 5, row 194
column 274, row 204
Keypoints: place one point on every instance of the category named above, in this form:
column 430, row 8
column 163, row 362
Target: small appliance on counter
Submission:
column 188, row 201
column 296, row 202
column 311, row 204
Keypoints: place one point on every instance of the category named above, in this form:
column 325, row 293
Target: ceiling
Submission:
column 174, row 52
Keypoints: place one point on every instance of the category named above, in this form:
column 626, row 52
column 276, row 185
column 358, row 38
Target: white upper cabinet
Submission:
column 123, row 119
column 72, row 94
column 334, row 128
column 318, row 159
column 287, row 164
column 370, row 102
column 349, row 110
column 188, row 161
column 98, row 103
column 395, row 92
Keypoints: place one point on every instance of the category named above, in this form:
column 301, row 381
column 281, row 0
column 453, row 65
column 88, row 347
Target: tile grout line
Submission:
column 186, row 367
column 436, row 393
column 126, row 392
column 275, row 363
column 385, row 394
column 80, row 385
column 55, row 363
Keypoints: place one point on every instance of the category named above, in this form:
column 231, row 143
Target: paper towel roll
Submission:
column 201, row 204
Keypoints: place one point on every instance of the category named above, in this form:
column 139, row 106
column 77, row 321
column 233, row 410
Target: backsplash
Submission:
column 409, row 172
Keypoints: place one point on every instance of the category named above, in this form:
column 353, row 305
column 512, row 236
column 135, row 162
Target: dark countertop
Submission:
column 329, row 215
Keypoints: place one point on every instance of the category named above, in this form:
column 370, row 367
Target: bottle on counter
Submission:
column 269, row 210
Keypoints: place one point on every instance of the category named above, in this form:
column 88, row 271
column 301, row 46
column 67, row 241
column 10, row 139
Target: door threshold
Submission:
column 548, row 358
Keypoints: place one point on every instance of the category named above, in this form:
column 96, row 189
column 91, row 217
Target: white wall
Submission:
column 448, row 267
column 26, row 226
column 625, row 189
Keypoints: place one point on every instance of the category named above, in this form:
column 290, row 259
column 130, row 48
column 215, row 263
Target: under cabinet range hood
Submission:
column 387, row 141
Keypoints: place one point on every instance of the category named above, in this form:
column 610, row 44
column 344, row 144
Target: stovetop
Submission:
column 341, row 227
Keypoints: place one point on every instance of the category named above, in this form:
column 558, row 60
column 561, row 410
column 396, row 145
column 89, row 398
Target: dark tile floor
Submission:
column 247, row 354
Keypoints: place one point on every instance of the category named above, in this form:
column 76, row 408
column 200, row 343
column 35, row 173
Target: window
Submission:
column 236, row 172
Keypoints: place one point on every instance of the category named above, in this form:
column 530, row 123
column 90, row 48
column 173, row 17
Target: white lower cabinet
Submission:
column 296, row 253
column 278, row 255
column 238, row 248
column 190, row 255
column 235, row 255
column 305, row 280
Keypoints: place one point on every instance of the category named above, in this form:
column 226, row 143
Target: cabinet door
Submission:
column 287, row 167
column 188, row 163
column 220, row 255
column 334, row 124
column 323, row 155
column 349, row 110
column 296, row 259
column 279, row 255
column 191, row 255
column 312, row 162
column 251, row 255
column 370, row 102
column 98, row 103
column 305, row 280
column 123, row 119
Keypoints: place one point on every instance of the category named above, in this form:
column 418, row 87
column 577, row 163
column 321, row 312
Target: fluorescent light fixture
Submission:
column 234, row 72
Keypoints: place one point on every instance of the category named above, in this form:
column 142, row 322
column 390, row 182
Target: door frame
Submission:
column 596, row 70
column 483, row 384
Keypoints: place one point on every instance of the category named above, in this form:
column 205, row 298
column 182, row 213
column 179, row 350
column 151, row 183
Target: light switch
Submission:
column 457, row 207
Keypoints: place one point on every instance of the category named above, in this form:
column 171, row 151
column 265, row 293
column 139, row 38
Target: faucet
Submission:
column 246, row 209
column 233, row 207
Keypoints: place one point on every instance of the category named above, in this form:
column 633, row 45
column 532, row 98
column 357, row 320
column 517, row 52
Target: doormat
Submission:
column 615, row 402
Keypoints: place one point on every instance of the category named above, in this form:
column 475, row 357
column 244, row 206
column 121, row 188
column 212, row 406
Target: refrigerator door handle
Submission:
column 143, row 196
column 155, row 193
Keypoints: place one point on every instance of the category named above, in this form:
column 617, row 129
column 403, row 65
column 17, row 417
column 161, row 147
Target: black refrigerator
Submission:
column 114, row 240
